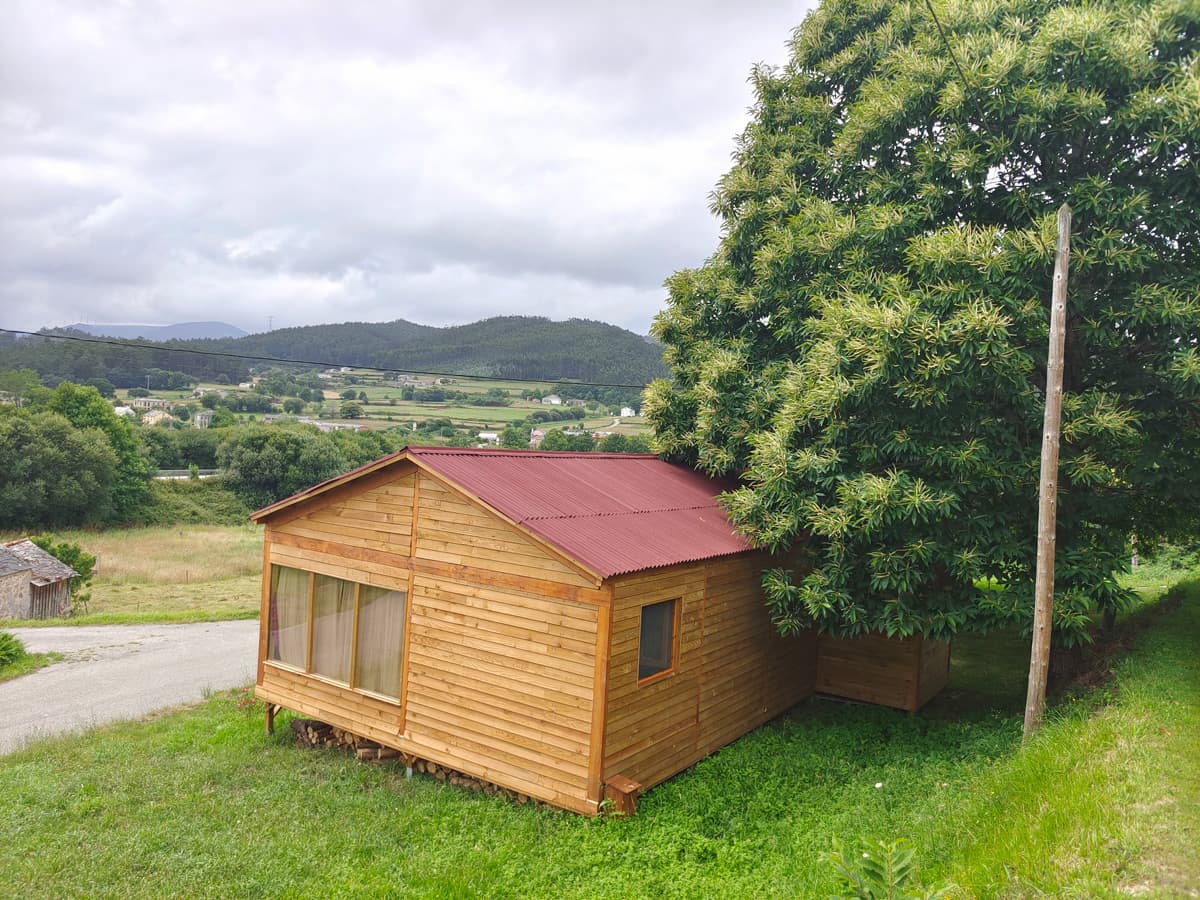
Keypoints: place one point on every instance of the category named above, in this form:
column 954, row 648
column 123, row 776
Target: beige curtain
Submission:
column 380, row 640
column 333, row 627
column 287, row 636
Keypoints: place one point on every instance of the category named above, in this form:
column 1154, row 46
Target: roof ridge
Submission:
column 623, row 512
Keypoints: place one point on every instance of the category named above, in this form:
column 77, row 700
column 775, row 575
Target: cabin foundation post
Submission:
column 622, row 793
column 270, row 723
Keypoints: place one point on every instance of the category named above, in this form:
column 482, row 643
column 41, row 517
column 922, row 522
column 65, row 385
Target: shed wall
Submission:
column 50, row 601
column 14, row 595
column 499, row 681
column 733, row 672
column 456, row 531
column 903, row 673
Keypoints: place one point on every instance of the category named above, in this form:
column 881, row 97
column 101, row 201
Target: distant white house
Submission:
column 628, row 411
column 552, row 400
column 202, row 419
column 150, row 403
column 489, row 437
column 124, row 411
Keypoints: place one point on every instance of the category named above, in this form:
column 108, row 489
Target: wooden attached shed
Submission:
column 548, row 622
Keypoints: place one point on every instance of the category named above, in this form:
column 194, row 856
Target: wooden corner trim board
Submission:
column 264, row 612
column 558, row 554
column 595, row 790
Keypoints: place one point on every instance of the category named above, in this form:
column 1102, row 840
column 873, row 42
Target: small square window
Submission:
column 656, row 652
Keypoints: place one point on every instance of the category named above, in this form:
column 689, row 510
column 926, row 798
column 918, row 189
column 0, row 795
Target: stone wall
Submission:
column 14, row 595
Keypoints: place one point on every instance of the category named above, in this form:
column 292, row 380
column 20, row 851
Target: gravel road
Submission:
column 113, row 672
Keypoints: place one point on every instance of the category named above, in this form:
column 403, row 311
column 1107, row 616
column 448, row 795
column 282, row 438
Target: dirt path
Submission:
column 113, row 672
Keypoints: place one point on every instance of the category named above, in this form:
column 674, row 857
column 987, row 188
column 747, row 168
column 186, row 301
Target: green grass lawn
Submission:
column 1104, row 802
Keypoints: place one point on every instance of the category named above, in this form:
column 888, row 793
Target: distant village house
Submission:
column 33, row 584
column 149, row 403
column 156, row 417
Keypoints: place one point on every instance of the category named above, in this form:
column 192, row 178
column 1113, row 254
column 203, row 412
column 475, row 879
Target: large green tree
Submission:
column 52, row 473
column 265, row 463
column 866, row 348
column 84, row 408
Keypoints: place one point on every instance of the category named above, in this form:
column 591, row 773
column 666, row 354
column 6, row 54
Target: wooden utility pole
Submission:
column 1039, row 660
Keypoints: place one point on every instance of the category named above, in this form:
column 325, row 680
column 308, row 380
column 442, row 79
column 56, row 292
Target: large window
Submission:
column 357, row 630
column 333, row 627
column 656, row 649
column 287, row 638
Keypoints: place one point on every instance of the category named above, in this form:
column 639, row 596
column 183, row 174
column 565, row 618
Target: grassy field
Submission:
column 1103, row 803
column 187, row 573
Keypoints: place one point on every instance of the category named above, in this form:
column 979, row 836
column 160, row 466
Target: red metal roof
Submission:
column 613, row 512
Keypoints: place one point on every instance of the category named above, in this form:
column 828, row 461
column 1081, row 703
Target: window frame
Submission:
column 351, row 685
column 673, row 665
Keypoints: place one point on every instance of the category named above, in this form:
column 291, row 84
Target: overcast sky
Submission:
column 308, row 162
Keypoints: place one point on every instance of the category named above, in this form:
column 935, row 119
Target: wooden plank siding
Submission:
column 455, row 530
column 500, row 685
column 934, row 669
column 501, row 640
column 903, row 673
column 733, row 671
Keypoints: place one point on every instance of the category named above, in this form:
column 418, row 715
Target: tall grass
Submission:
column 182, row 554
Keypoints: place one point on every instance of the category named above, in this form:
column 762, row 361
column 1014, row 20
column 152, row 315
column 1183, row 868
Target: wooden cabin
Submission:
column 547, row 622
column 33, row 584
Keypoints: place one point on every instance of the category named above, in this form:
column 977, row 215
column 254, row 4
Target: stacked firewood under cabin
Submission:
column 311, row 733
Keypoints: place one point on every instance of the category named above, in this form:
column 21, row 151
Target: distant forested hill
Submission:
column 507, row 347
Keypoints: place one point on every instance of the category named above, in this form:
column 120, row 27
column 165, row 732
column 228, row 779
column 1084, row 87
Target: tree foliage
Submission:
column 74, row 556
column 867, row 346
column 52, row 473
column 84, row 408
column 265, row 463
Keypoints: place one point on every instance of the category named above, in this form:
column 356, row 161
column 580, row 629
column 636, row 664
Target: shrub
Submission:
column 11, row 649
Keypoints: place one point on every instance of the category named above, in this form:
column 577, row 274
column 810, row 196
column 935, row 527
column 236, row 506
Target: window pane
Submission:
column 333, row 626
column 287, row 632
column 380, row 640
column 657, row 651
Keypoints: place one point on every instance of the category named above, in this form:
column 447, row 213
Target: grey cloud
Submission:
column 317, row 162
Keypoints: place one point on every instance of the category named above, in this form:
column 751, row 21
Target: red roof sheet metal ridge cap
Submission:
column 624, row 512
column 527, row 454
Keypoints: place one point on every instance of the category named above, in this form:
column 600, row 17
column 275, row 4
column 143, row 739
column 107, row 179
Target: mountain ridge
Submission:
column 502, row 347
column 175, row 332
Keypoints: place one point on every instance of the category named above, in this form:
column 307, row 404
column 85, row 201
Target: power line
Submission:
column 308, row 362
column 954, row 59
